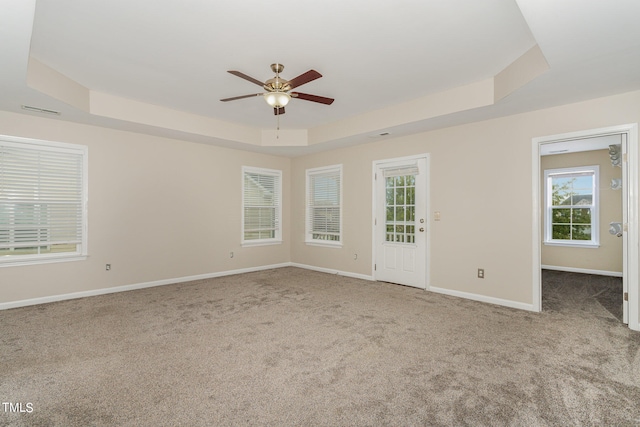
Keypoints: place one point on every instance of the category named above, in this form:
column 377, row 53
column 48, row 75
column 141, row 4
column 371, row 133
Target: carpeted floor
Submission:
column 565, row 290
column 295, row 347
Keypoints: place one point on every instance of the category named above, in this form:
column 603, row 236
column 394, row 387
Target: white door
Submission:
column 625, row 219
column 401, row 221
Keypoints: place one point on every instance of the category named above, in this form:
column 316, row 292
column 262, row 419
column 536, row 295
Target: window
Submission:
column 571, row 206
column 261, row 206
column 400, row 185
column 43, row 193
column 324, row 203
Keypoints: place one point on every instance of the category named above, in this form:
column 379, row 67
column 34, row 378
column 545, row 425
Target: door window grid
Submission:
column 400, row 209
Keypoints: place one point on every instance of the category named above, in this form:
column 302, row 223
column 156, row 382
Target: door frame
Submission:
column 630, row 194
column 374, row 200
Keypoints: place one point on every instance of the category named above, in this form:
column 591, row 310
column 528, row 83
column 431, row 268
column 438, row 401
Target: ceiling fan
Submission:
column 279, row 91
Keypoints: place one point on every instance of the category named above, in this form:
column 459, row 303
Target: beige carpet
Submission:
column 294, row 347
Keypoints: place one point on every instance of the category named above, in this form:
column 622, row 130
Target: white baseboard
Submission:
column 582, row 270
column 331, row 271
column 104, row 291
column 483, row 298
column 474, row 297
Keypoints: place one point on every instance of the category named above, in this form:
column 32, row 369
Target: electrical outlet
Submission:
column 481, row 273
column 108, row 267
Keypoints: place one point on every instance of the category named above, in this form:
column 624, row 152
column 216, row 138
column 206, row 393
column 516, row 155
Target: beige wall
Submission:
column 480, row 182
column 158, row 209
column 607, row 257
column 155, row 209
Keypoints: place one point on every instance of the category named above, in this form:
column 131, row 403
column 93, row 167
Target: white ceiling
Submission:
column 373, row 56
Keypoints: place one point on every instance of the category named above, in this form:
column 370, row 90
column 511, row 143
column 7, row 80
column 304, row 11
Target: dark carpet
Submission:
column 570, row 290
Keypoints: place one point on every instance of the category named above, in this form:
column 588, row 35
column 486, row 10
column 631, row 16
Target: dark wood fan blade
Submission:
column 304, row 78
column 278, row 111
column 314, row 98
column 244, row 76
column 241, row 97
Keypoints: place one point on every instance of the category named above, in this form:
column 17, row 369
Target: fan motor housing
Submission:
column 277, row 84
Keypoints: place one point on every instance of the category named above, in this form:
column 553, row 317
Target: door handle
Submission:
column 422, row 229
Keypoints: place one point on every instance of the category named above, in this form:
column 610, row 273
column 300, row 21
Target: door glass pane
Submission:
column 389, row 233
column 400, row 209
column 410, row 213
column 389, row 196
column 411, row 234
column 411, row 195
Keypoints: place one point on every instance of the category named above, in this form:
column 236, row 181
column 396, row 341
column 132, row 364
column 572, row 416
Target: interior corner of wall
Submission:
column 523, row 70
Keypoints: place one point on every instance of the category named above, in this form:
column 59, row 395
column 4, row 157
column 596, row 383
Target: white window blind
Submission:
column 262, row 209
column 42, row 200
column 324, row 205
column 401, row 171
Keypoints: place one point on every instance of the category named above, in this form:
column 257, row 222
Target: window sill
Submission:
column 337, row 245
column 261, row 243
column 41, row 260
column 589, row 245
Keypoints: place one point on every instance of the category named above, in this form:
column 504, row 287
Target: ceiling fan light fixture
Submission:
column 277, row 99
column 277, row 91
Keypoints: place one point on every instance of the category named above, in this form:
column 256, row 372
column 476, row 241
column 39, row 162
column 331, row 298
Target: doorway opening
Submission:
column 571, row 242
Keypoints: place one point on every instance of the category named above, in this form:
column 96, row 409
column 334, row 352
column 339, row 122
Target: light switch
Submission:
column 436, row 216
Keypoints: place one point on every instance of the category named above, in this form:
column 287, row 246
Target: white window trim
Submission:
column 82, row 253
column 278, row 232
column 309, row 240
column 595, row 216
